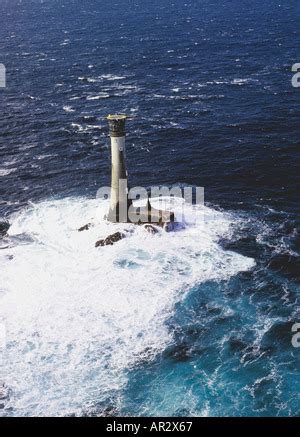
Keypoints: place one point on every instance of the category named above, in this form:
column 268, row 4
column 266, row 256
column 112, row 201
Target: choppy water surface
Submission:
column 195, row 322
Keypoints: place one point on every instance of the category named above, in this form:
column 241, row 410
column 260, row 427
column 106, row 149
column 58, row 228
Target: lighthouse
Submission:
column 120, row 203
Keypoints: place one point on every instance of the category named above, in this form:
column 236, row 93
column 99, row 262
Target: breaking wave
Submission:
column 77, row 317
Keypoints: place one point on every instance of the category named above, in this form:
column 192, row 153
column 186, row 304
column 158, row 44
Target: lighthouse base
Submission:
column 139, row 215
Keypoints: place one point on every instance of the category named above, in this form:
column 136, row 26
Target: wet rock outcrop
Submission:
column 151, row 229
column 4, row 227
column 111, row 239
column 85, row 227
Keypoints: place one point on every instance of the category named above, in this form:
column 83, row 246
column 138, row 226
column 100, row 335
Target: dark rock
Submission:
column 151, row 229
column 111, row 239
column 4, row 226
column 287, row 265
column 85, row 227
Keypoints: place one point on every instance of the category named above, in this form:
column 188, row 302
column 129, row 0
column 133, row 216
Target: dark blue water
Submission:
column 209, row 84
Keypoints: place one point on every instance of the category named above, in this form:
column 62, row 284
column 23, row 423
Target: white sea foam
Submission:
column 7, row 171
column 243, row 81
column 112, row 77
column 77, row 317
column 98, row 97
column 68, row 109
column 65, row 42
column 86, row 127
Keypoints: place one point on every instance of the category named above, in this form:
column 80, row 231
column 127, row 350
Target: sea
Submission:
column 195, row 322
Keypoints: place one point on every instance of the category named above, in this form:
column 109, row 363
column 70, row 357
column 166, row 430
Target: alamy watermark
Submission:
column 153, row 205
column 296, row 76
column 296, row 336
column 2, row 76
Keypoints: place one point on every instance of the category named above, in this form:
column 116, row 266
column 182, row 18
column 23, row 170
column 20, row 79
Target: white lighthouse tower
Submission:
column 119, row 201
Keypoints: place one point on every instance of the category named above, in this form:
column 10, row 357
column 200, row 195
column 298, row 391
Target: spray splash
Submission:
column 78, row 317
